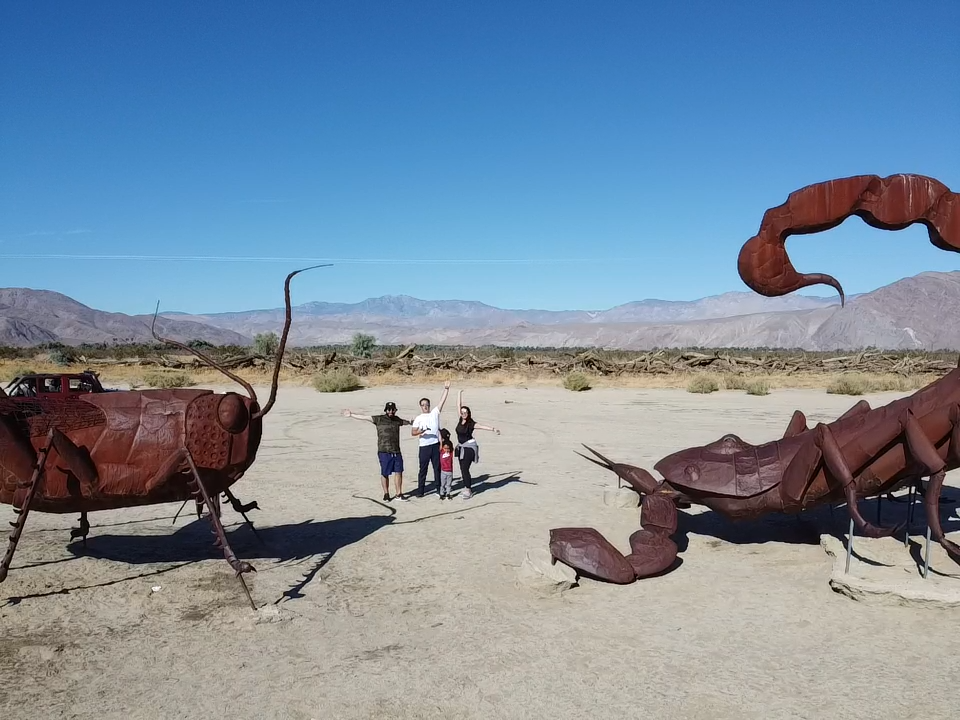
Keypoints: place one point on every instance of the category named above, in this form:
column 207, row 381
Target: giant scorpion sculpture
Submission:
column 865, row 452
column 106, row 451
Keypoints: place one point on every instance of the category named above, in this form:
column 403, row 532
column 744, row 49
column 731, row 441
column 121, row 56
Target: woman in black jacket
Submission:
column 468, row 450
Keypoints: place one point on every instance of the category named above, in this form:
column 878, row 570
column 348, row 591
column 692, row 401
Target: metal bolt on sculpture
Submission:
column 865, row 452
column 106, row 451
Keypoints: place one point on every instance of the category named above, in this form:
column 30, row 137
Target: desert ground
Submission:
column 412, row 610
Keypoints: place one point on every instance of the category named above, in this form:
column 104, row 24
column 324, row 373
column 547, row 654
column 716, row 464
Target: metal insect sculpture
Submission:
column 105, row 451
column 865, row 452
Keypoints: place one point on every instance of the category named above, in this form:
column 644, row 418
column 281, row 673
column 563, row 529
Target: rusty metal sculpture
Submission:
column 105, row 451
column 865, row 452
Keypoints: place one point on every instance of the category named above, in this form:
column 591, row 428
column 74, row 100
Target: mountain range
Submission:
column 911, row 313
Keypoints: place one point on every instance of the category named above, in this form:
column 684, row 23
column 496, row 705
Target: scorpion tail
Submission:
column 637, row 478
column 891, row 203
column 283, row 341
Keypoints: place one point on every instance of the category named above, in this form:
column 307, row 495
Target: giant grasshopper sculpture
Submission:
column 106, row 451
column 865, row 452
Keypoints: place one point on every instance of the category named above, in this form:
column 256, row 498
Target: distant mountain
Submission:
column 910, row 313
column 405, row 311
column 31, row 317
column 905, row 314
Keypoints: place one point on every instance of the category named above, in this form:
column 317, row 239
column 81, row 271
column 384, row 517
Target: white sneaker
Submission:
column 401, row 498
column 466, row 495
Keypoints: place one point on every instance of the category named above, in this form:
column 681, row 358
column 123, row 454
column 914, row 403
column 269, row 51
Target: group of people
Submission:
column 436, row 447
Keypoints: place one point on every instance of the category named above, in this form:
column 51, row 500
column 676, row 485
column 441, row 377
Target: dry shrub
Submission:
column 757, row 387
column 576, row 381
column 166, row 380
column 338, row 380
column 732, row 381
column 850, row 384
column 703, row 384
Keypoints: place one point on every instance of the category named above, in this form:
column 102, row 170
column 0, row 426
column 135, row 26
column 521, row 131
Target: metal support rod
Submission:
column 849, row 546
column 24, row 509
column 926, row 554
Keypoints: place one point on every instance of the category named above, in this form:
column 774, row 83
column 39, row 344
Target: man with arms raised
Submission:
column 426, row 426
column 388, row 446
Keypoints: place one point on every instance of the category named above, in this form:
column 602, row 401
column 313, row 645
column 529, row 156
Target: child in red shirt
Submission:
column 446, row 468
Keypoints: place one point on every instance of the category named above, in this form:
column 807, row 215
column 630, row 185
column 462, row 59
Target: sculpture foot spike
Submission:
column 239, row 566
column 239, row 507
column 24, row 510
column 82, row 531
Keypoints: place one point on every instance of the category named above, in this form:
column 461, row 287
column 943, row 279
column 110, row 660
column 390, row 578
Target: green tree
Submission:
column 363, row 345
column 265, row 343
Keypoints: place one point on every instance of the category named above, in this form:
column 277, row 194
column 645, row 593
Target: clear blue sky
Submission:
column 600, row 152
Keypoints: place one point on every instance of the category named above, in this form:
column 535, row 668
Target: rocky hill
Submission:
column 913, row 313
column 31, row 317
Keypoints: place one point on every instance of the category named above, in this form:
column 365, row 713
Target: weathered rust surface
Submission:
column 106, row 451
column 890, row 203
column 865, row 452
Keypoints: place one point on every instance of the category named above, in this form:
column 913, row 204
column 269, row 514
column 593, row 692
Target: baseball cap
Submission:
column 390, row 406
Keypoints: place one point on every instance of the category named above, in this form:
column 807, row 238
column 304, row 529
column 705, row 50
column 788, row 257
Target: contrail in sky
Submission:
column 344, row 261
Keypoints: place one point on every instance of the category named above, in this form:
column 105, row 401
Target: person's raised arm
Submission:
column 355, row 416
column 443, row 398
column 486, row 427
column 459, row 401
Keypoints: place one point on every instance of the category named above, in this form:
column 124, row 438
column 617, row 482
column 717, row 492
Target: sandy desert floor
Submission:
column 411, row 610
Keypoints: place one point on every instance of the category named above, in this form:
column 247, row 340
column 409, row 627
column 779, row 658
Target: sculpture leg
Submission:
column 239, row 507
column 24, row 509
column 239, row 566
column 837, row 465
column 932, row 508
column 923, row 449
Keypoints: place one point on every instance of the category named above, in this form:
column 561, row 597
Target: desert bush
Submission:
column 59, row 356
column 338, row 380
column 850, row 384
column 703, row 384
column 576, row 381
column 757, row 387
column 266, row 344
column 732, row 381
column 362, row 345
column 168, row 380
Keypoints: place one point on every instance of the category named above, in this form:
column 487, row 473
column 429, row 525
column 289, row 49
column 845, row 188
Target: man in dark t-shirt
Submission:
column 388, row 447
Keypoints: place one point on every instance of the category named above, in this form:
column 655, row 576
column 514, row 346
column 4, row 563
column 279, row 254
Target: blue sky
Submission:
column 552, row 155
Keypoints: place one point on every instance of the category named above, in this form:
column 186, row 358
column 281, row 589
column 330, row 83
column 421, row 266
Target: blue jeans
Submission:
column 429, row 454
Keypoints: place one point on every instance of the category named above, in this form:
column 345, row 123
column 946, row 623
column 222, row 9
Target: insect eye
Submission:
column 232, row 413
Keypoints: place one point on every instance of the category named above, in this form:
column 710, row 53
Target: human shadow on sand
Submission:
column 484, row 482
